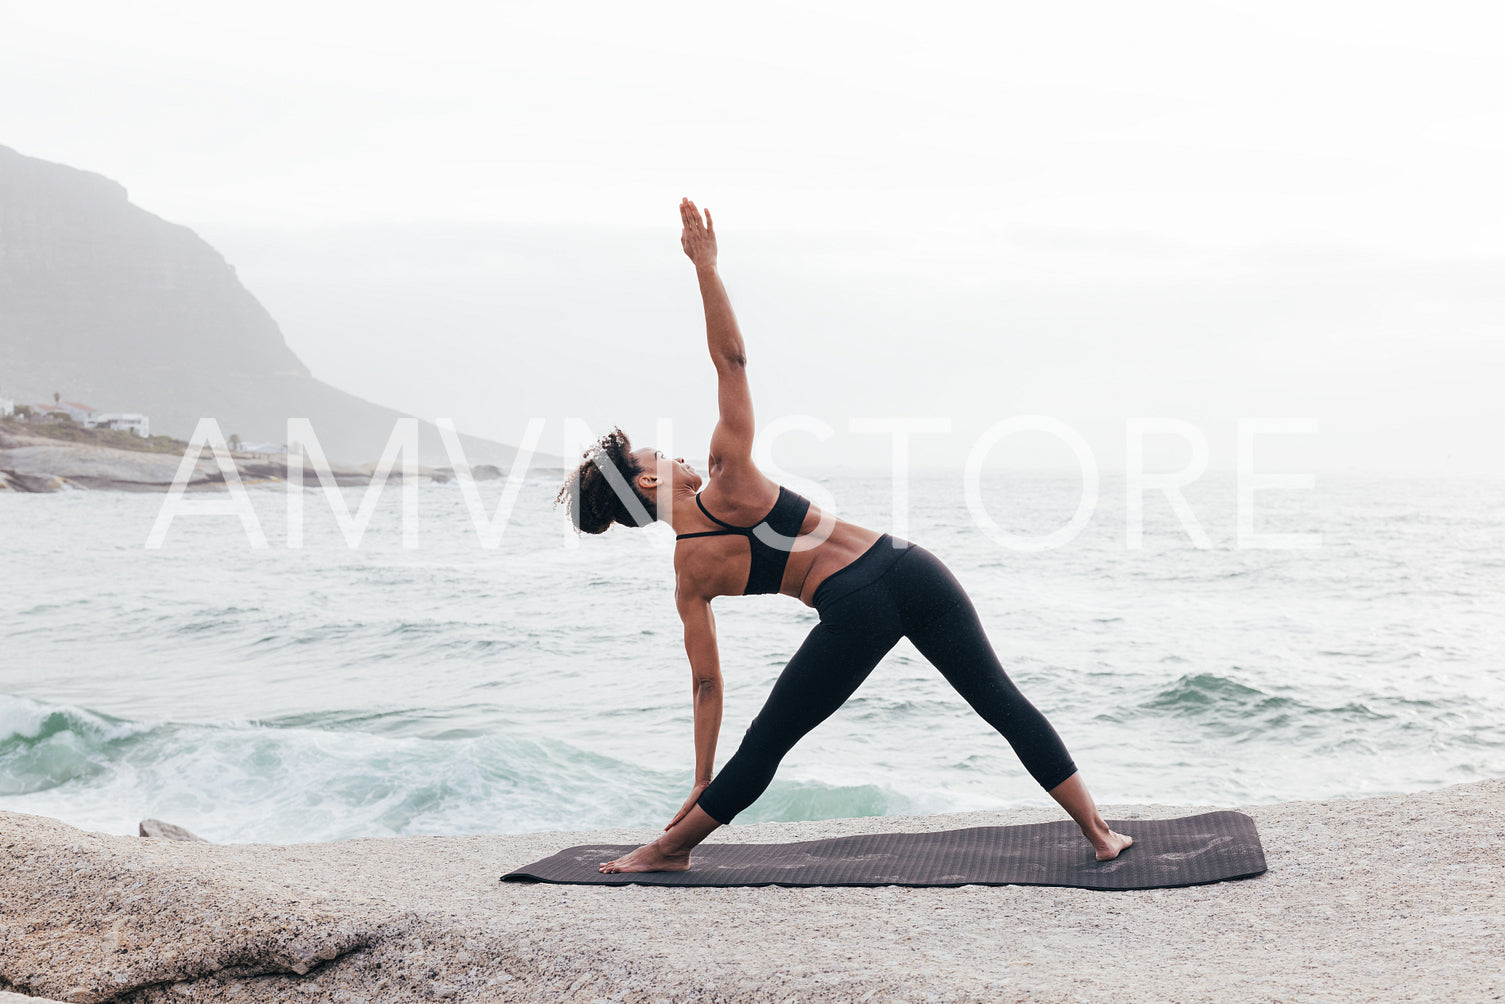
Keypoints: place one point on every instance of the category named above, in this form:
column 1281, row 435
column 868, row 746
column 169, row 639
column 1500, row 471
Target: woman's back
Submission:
column 789, row 547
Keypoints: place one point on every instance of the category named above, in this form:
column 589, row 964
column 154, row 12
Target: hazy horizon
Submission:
column 1095, row 214
column 436, row 318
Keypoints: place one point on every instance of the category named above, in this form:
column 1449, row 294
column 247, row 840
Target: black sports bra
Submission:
column 768, row 560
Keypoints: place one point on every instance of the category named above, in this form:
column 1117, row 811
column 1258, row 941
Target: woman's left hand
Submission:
column 698, row 237
column 689, row 803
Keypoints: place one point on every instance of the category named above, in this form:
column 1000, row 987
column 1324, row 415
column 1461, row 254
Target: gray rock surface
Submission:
column 478, row 472
column 165, row 831
column 55, row 466
column 32, row 484
column 37, row 464
column 1385, row 899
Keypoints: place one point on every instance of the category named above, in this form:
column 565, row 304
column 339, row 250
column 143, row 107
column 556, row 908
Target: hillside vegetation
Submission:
column 70, row 432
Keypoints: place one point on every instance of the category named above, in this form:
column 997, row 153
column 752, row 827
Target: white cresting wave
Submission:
column 259, row 781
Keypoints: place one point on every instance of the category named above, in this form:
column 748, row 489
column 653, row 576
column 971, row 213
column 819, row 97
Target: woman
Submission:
column 744, row 534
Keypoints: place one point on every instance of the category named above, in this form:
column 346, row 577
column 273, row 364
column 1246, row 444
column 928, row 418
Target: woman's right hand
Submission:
column 689, row 804
column 698, row 238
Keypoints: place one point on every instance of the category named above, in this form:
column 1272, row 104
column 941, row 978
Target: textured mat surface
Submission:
column 1195, row 850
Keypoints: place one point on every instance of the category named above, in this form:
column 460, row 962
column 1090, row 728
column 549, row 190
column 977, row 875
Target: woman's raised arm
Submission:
column 731, row 442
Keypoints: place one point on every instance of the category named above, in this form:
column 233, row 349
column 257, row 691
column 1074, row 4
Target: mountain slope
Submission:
column 112, row 306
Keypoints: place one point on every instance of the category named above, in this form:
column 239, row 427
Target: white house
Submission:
column 128, row 420
column 72, row 409
column 7, row 407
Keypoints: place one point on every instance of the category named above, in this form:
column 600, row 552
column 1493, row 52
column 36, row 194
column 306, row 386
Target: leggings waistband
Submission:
column 866, row 569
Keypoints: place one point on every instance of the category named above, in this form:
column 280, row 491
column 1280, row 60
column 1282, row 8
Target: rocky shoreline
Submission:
column 1388, row 899
column 34, row 464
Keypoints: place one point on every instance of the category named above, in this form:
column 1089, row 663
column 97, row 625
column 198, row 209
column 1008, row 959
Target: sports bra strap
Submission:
column 720, row 522
column 766, row 569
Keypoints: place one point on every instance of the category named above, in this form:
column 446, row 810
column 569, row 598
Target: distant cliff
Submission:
column 122, row 310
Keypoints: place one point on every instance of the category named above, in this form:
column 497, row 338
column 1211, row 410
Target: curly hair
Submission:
column 594, row 491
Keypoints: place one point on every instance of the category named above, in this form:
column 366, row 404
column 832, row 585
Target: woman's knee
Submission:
column 768, row 738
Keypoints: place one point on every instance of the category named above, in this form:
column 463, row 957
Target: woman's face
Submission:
column 676, row 472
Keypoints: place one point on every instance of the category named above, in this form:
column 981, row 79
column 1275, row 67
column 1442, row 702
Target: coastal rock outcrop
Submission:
column 31, row 483
column 35, row 464
column 87, row 919
column 166, row 831
column 478, row 472
column 52, row 467
column 1374, row 899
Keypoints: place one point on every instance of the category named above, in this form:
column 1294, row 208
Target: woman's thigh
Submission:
column 924, row 590
column 941, row 621
column 826, row 670
column 943, row 624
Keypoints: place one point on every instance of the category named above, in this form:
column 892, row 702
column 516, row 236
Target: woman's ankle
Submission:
column 1095, row 830
column 672, row 848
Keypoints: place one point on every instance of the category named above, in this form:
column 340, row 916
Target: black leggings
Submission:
column 896, row 589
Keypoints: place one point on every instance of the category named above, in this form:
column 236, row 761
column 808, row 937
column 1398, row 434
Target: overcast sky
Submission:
column 1090, row 211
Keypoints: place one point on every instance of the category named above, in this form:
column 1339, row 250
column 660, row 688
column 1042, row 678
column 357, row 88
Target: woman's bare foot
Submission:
column 1073, row 797
column 648, row 858
column 1111, row 846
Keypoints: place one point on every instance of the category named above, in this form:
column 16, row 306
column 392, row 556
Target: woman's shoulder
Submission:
column 745, row 495
column 705, row 571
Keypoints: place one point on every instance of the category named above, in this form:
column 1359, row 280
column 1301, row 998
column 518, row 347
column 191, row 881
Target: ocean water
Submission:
column 326, row 692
